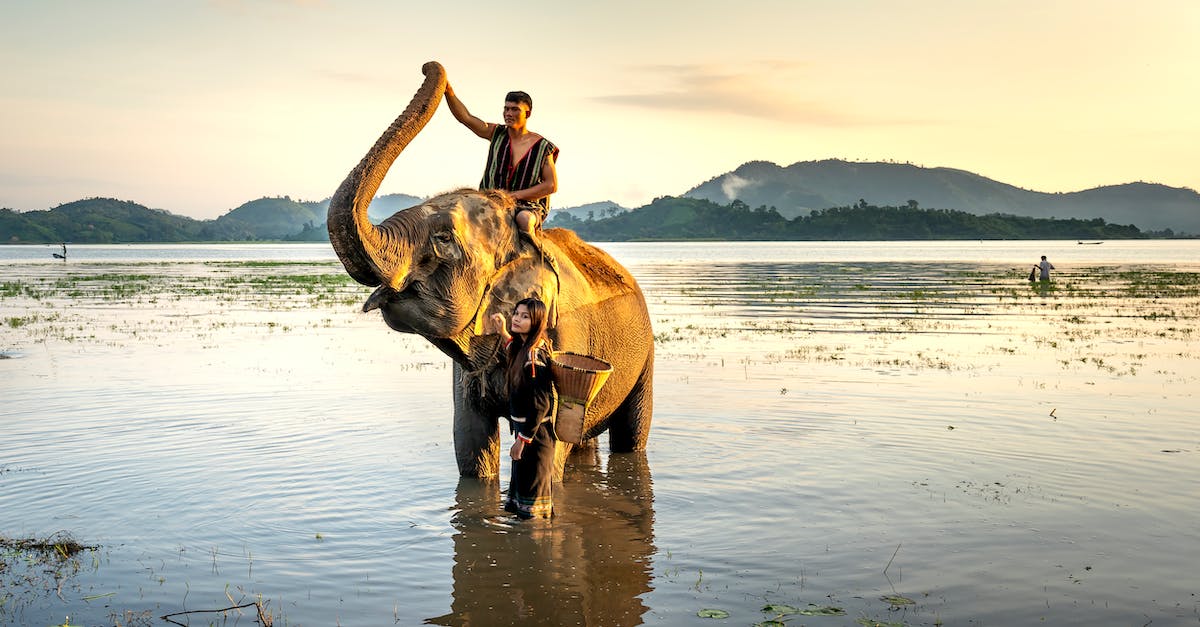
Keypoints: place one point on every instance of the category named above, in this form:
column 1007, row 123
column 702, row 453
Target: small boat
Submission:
column 1089, row 243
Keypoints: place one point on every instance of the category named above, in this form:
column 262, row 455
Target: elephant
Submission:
column 443, row 267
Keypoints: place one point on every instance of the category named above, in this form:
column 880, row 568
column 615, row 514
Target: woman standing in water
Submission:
column 530, row 408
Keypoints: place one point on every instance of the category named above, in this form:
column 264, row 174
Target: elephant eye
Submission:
column 443, row 237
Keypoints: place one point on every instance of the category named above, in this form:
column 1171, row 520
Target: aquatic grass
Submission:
column 61, row 546
column 29, row 566
column 896, row 600
column 334, row 265
column 285, row 291
column 871, row 622
column 11, row 289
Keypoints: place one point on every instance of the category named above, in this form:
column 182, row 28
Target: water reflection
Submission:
column 590, row 565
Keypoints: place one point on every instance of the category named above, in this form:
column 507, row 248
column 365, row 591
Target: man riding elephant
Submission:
column 519, row 160
column 445, row 266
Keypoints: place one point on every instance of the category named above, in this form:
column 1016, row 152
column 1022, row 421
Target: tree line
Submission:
column 672, row 218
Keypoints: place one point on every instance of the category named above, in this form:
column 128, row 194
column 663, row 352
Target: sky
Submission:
column 198, row 106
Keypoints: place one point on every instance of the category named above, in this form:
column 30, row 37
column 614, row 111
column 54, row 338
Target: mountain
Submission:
column 596, row 210
column 808, row 185
column 382, row 207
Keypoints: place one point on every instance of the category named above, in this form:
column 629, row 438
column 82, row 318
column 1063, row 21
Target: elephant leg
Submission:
column 562, row 451
column 476, row 436
column 629, row 426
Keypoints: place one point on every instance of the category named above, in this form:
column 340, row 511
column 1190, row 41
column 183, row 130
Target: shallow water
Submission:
column 916, row 424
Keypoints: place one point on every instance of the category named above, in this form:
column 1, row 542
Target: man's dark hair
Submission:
column 519, row 97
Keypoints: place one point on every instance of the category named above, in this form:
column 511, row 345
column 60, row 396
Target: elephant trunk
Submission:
column 381, row 254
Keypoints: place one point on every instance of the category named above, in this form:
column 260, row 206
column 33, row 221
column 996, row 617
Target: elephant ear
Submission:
column 522, row 278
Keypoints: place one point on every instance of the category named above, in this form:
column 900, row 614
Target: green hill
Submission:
column 266, row 218
column 97, row 221
column 593, row 210
column 17, row 228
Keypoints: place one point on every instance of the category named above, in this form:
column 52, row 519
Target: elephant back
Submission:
column 604, row 275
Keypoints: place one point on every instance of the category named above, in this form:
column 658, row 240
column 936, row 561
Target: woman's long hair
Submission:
column 518, row 351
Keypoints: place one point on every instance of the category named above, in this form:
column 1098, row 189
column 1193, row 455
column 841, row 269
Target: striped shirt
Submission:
column 501, row 173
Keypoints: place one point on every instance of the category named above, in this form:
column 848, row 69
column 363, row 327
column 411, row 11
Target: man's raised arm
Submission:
column 477, row 126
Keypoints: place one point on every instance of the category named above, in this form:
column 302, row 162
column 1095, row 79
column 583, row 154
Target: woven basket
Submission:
column 578, row 378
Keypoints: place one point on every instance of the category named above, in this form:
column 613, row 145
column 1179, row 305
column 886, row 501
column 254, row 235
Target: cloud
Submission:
column 759, row 92
column 732, row 185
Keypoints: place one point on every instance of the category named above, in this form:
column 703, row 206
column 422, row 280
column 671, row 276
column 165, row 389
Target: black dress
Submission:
column 531, row 406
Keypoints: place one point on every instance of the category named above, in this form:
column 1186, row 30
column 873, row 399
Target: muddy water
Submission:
column 910, row 434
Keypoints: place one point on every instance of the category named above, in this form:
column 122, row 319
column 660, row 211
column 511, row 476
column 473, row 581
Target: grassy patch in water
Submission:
column 282, row 290
column 268, row 264
column 31, row 567
column 60, row 546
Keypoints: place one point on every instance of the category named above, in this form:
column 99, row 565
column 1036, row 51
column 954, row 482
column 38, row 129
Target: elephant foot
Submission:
column 479, row 467
column 626, row 440
column 478, row 460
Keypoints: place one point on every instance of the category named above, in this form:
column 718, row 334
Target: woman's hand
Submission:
column 499, row 325
column 517, row 448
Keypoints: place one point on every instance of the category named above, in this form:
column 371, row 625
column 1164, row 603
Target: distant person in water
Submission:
column 1044, row 269
column 519, row 161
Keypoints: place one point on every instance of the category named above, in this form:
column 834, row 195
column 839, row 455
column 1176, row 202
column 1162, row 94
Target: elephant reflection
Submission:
column 589, row 566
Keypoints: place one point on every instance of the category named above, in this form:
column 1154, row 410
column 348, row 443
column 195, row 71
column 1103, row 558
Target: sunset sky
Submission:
column 198, row 106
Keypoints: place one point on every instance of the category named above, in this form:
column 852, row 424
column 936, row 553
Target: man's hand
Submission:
column 517, row 448
column 548, row 186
